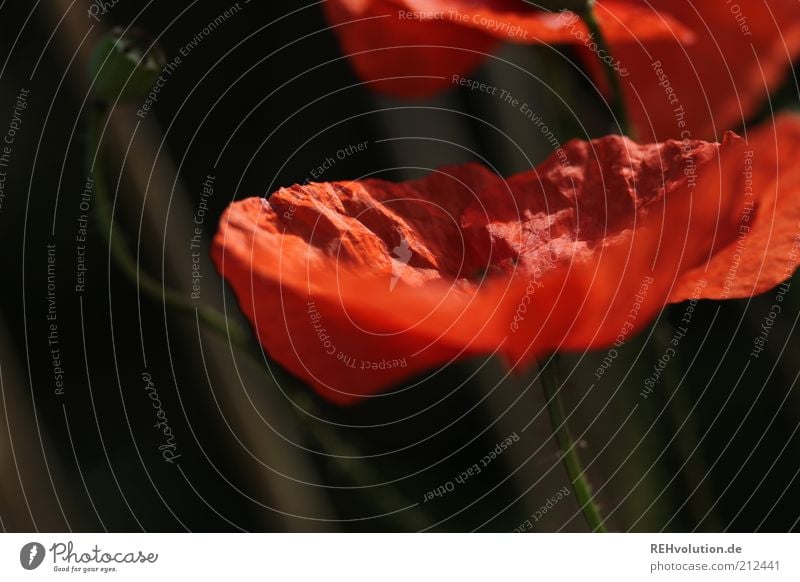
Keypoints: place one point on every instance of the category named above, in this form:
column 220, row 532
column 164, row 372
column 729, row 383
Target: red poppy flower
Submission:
column 741, row 52
column 691, row 69
column 355, row 286
column 412, row 48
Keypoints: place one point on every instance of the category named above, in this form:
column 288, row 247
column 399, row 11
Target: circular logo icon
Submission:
column 31, row 555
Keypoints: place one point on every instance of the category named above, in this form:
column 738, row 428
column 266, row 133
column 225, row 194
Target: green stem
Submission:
column 209, row 316
column 572, row 463
column 391, row 498
column 618, row 108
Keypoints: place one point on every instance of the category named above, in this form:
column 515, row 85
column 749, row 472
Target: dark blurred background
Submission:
column 258, row 104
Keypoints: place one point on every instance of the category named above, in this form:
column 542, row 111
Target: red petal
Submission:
column 516, row 21
column 355, row 286
column 313, row 270
column 766, row 248
column 405, row 58
column 633, row 223
column 622, row 20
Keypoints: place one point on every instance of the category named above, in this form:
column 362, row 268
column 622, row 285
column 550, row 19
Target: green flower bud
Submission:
column 124, row 66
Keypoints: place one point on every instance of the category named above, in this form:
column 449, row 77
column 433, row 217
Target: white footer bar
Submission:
column 400, row 557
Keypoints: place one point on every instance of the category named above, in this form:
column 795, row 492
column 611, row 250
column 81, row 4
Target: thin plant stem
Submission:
column 568, row 447
column 122, row 258
column 618, row 108
column 410, row 517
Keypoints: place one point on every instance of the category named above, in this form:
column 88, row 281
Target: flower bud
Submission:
column 124, row 66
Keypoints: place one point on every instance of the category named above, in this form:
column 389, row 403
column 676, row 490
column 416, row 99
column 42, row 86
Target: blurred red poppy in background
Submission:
column 411, row 48
column 690, row 69
column 355, row 286
column 740, row 53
